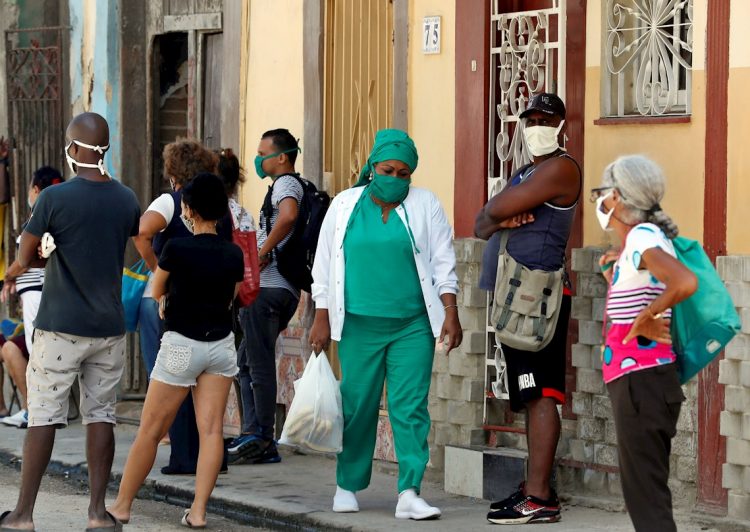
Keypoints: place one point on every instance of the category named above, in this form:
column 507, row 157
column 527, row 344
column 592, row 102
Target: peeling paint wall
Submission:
column 95, row 68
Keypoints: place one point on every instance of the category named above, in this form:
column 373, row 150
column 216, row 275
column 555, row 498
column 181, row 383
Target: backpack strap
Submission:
column 267, row 209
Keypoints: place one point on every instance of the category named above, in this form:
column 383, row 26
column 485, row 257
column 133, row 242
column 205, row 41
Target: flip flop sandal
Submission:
column 187, row 523
column 116, row 526
column 5, row 528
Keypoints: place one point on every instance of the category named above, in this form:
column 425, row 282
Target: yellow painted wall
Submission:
column 431, row 100
column 738, row 192
column 273, row 77
column 678, row 148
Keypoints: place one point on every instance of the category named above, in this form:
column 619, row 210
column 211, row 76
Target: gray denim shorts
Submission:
column 181, row 360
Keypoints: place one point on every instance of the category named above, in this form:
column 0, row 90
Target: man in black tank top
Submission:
column 537, row 206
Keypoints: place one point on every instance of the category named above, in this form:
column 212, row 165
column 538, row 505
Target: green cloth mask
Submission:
column 390, row 144
column 389, row 189
column 260, row 158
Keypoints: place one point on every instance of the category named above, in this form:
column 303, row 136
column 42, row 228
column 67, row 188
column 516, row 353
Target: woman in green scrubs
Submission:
column 385, row 288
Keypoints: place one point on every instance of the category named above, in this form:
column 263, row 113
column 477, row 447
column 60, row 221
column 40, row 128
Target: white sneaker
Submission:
column 345, row 501
column 412, row 506
column 20, row 419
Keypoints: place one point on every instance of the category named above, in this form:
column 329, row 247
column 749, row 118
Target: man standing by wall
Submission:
column 80, row 328
column 263, row 321
column 536, row 210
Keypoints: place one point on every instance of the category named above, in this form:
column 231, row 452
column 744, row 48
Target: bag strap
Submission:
column 541, row 322
column 514, row 282
column 504, row 236
column 139, row 266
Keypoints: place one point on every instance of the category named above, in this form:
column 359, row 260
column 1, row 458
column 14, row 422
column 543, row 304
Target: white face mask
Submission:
column 542, row 140
column 188, row 223
column 74, row 165
column 604, row 217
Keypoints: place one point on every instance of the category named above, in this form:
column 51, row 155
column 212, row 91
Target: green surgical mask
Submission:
column 388, row 188
column 260, row 158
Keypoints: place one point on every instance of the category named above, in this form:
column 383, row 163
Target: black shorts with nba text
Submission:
column 532, row 375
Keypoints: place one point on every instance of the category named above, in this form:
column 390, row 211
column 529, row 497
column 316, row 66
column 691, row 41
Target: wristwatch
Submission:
column 265, row 256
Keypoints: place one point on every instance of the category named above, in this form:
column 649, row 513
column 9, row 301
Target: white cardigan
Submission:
column 436, row 260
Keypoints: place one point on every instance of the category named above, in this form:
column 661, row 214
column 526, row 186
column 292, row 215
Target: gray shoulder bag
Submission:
column 526, row 303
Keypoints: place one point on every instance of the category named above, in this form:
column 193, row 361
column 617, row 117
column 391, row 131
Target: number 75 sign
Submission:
column 431, row 35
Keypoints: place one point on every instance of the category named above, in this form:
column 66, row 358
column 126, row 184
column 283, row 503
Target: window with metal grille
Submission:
column 647, row 57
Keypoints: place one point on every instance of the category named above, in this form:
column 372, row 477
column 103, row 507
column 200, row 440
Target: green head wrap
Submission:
column 389, row 144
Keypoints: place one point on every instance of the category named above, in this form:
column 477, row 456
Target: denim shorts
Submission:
column 181, row 360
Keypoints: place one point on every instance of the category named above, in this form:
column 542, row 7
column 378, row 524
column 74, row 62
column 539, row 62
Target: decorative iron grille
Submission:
column 35, row 111
column 648, row 54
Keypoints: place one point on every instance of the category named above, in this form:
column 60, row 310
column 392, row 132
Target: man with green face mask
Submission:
column 384, row 286
column 263, row 321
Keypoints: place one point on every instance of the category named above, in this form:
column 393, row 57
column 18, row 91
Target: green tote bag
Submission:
column 704, row 323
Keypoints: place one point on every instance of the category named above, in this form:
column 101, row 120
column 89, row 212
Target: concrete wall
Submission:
column 678, row 148
column 457, row 391
column 431, row 100
column 95, row 67
column 734, row 372
column 274, row 85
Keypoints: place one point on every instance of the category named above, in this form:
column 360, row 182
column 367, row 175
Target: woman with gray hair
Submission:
column 638, row 364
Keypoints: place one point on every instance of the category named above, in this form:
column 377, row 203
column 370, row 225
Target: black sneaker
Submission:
column 530, row 509
column 258, row 453
column 508, row 502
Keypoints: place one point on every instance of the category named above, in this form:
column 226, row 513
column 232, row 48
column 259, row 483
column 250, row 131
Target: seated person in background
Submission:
column 15, row 356
column 27, row 283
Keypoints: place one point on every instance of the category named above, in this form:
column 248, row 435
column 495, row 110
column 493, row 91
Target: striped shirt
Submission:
column 285, row 186
column 31, row 279
column 631, row 290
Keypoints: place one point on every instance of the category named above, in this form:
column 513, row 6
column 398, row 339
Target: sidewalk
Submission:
column 296, row 494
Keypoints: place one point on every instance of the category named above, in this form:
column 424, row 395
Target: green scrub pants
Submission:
column 399, row 351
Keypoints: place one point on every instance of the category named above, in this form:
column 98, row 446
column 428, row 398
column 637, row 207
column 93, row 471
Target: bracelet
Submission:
column 651, row 313
column 446, row 307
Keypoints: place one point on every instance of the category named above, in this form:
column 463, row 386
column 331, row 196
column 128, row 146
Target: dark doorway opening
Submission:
column 170, row 99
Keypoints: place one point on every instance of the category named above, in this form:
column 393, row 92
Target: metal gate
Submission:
column 359, row 67
column 35, row 110
column 527, row 56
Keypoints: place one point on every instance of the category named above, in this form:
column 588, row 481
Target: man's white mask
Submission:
column 98, row 149
column 542, row 140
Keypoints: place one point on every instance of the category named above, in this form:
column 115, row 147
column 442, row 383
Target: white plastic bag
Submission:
column 315, row 420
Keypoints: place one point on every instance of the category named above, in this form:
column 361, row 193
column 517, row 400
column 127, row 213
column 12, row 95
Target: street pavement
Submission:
column 62, row 505
column 293, row 495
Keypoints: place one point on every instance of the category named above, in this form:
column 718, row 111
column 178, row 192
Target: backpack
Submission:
column 706, row 321
column 295, row 259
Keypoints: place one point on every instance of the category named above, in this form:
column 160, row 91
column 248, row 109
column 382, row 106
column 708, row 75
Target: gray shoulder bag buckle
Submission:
column 526, row 303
